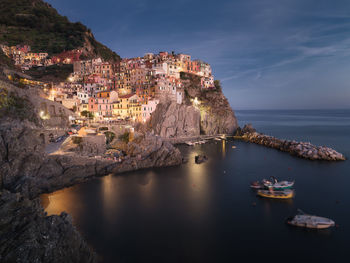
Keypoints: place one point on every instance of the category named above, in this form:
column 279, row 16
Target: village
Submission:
column 104, row 92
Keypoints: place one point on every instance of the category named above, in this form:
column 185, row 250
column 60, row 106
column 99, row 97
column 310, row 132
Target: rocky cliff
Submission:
column 175, row 120
column 28, row 235
column 26, row 171
column 204, row 111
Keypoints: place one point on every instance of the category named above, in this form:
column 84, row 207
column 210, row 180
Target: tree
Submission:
column 87, row 114
column 217, row 84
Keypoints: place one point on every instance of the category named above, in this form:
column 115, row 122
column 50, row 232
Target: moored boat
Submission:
column 256, row 185
column 277, row 185
column 285, row 194
column 310, row 221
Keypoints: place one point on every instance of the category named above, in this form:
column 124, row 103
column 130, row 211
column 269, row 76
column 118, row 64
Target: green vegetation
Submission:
column 109, row 136
column 87, row 114
column 59, row 71
column 217, row 85
column 37, row 24
column 124, row 137
column 11, row 105
column 103, row 129
column 6, row 61
column 77, row 139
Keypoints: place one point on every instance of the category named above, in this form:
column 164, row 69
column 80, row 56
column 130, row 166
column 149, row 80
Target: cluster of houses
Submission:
column 25, row 59
column 126, row 90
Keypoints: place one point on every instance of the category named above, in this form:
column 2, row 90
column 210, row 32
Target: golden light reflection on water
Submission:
column 59, row 201
column 223, row 148
column 198, row 184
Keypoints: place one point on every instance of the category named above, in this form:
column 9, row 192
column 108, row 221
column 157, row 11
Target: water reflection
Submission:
column 59, row 201
column 223, row 148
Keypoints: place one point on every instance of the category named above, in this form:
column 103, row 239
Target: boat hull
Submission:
column 276, row 195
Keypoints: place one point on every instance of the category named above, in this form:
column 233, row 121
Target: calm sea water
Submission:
column 208, row 213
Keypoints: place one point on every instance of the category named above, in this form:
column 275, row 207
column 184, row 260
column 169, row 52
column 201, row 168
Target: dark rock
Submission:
column 28, row 235
column 200, row 159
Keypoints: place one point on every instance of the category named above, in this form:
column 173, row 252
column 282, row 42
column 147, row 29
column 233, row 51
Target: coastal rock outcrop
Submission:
column 203, row 112
column 174, row 120
column 300, row 149
column 217, row 116
column 28, row 235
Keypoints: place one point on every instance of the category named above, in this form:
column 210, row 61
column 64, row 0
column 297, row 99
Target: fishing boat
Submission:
column 277, row 185
column 310, row 221
column 285, row 194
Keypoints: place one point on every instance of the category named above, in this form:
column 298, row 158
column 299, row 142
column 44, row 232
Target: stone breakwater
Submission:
column 300, row 149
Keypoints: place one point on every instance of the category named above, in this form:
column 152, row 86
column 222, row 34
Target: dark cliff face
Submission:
column 209, row 114
column 28, row 235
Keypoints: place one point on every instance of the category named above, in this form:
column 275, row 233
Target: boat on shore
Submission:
column 285, row 194
column 310, row 221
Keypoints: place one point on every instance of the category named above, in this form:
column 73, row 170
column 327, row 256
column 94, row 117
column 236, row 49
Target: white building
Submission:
column 147, row 109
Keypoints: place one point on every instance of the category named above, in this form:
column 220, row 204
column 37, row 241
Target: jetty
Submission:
column 300, row 149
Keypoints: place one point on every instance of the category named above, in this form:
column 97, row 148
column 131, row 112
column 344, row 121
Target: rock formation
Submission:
column 28, row 235
column 26, row 171
column 301, row 149
column 175, row 120
column 211, row 115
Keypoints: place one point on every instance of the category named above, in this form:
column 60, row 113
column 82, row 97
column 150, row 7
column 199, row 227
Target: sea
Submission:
column 208, row 213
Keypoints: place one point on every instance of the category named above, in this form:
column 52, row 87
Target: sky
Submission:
column 268, row 54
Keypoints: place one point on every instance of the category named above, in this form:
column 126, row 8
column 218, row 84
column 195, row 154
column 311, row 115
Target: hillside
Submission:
column 39, row 25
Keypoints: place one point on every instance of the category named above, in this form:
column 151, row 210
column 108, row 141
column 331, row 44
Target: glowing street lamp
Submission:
column 196, row 101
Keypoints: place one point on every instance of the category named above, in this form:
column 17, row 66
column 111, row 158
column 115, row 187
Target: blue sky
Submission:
column 268, row 54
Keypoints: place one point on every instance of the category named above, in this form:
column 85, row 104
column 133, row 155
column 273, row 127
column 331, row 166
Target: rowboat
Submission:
column 310, row 221
column 285, row 194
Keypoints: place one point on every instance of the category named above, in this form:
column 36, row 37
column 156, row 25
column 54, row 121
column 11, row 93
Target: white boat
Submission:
column 310, row 221
column 217, row 139
column 190, row 143
column 277, row 185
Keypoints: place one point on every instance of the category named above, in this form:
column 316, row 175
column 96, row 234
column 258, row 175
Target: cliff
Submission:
column 26, row 171
column 28, row 235
column 204, row 112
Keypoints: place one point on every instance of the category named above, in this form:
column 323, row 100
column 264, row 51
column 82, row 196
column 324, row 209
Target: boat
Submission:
column 234, row 147
column 190, row 143
column 256, row 185
column 217, row 139
column 284, row 194
column 277, row 185
column 310, row 221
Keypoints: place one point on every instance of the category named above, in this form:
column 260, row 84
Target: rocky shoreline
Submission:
column 26, row 171
column 304, row 150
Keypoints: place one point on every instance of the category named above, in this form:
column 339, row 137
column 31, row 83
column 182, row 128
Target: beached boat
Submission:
column 285, row 194
column 310, row 221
